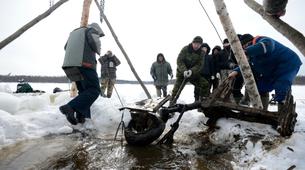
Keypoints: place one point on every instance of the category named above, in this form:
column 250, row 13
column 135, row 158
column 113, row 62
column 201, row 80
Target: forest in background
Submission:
column 300, row 80
column 56, row 79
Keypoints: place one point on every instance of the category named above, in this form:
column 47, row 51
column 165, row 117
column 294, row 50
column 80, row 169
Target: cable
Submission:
column 210, row 21
column 122, row 120
column 118, row 95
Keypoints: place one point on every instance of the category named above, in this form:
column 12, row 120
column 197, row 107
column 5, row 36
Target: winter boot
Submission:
column 69, row 112
column 237, row 99
column 80, row 118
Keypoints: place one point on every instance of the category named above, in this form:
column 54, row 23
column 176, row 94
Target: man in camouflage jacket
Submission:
column 189, row 63
column 108, row 62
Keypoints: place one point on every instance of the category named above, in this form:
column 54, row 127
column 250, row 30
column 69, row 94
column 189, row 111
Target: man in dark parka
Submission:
column 159, row 71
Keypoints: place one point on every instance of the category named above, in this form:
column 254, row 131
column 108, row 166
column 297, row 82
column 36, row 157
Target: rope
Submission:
column 122, row 123
column 210, row 21
column 118, row 95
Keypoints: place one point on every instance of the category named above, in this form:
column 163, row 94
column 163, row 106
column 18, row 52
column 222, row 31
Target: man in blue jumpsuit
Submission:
column 274, row 66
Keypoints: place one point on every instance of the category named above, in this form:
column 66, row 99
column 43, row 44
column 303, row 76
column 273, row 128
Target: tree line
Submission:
column 300, row 80
column 56, row 79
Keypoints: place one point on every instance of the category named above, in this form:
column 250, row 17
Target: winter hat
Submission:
column 197, row 39
column 206, row 46
column 244, row 39
column 217, row 47
column 225, row 41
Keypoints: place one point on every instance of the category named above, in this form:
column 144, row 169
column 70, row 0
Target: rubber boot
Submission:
column 158, row 92
column 69, row 112
column 237, row 99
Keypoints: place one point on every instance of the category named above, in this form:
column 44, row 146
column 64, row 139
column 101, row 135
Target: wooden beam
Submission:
column 85, row 14
column 293, row 35
column 30, row 24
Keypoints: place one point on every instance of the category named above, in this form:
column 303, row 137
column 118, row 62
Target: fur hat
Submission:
column 197, row 39
column 244, row 39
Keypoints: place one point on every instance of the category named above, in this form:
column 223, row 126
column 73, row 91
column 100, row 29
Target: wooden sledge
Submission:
column 218, row 105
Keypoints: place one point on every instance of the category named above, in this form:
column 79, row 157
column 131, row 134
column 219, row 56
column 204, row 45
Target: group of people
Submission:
column 274, row 67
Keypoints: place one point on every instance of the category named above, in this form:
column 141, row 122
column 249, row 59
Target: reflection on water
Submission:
column 87, row 151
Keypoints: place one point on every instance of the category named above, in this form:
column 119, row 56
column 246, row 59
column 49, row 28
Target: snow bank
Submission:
column 26, row 116
column 9, row 103
column 5, row 88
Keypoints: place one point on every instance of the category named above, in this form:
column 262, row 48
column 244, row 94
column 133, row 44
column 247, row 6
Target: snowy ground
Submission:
column 27, row 116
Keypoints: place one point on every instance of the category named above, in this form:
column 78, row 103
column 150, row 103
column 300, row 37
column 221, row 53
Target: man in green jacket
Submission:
column 159, row 71
column 189, row 63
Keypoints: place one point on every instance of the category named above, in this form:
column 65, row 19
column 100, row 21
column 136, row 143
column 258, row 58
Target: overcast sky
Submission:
column 144, row 27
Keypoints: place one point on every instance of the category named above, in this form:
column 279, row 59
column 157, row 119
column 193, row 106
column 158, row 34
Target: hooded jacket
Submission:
column 274, row 65
column 270, row 59
column 81, row 47
column 160, row 71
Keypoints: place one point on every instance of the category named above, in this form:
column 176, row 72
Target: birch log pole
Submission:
column 293, row 35
column 122, row 49
column 83, row 23
column 30, row 24
column 241, row 58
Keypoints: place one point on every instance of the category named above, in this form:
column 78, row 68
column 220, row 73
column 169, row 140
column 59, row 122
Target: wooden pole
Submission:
column 30, row 24
column 83, row 23
column 123, row 51
column 241, row 58
column 293, row 35
column 85, row 14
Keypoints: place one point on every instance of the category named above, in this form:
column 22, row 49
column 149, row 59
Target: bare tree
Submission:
column 30, row 24
column 293, row 35
column 239, row 53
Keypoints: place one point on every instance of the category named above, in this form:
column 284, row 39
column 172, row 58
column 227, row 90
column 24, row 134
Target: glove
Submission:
column 218, row 75
column 172, row 76
column 212, row 77
column 187, row 73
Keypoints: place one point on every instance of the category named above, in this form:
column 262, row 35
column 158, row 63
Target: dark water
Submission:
column 91, row 151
